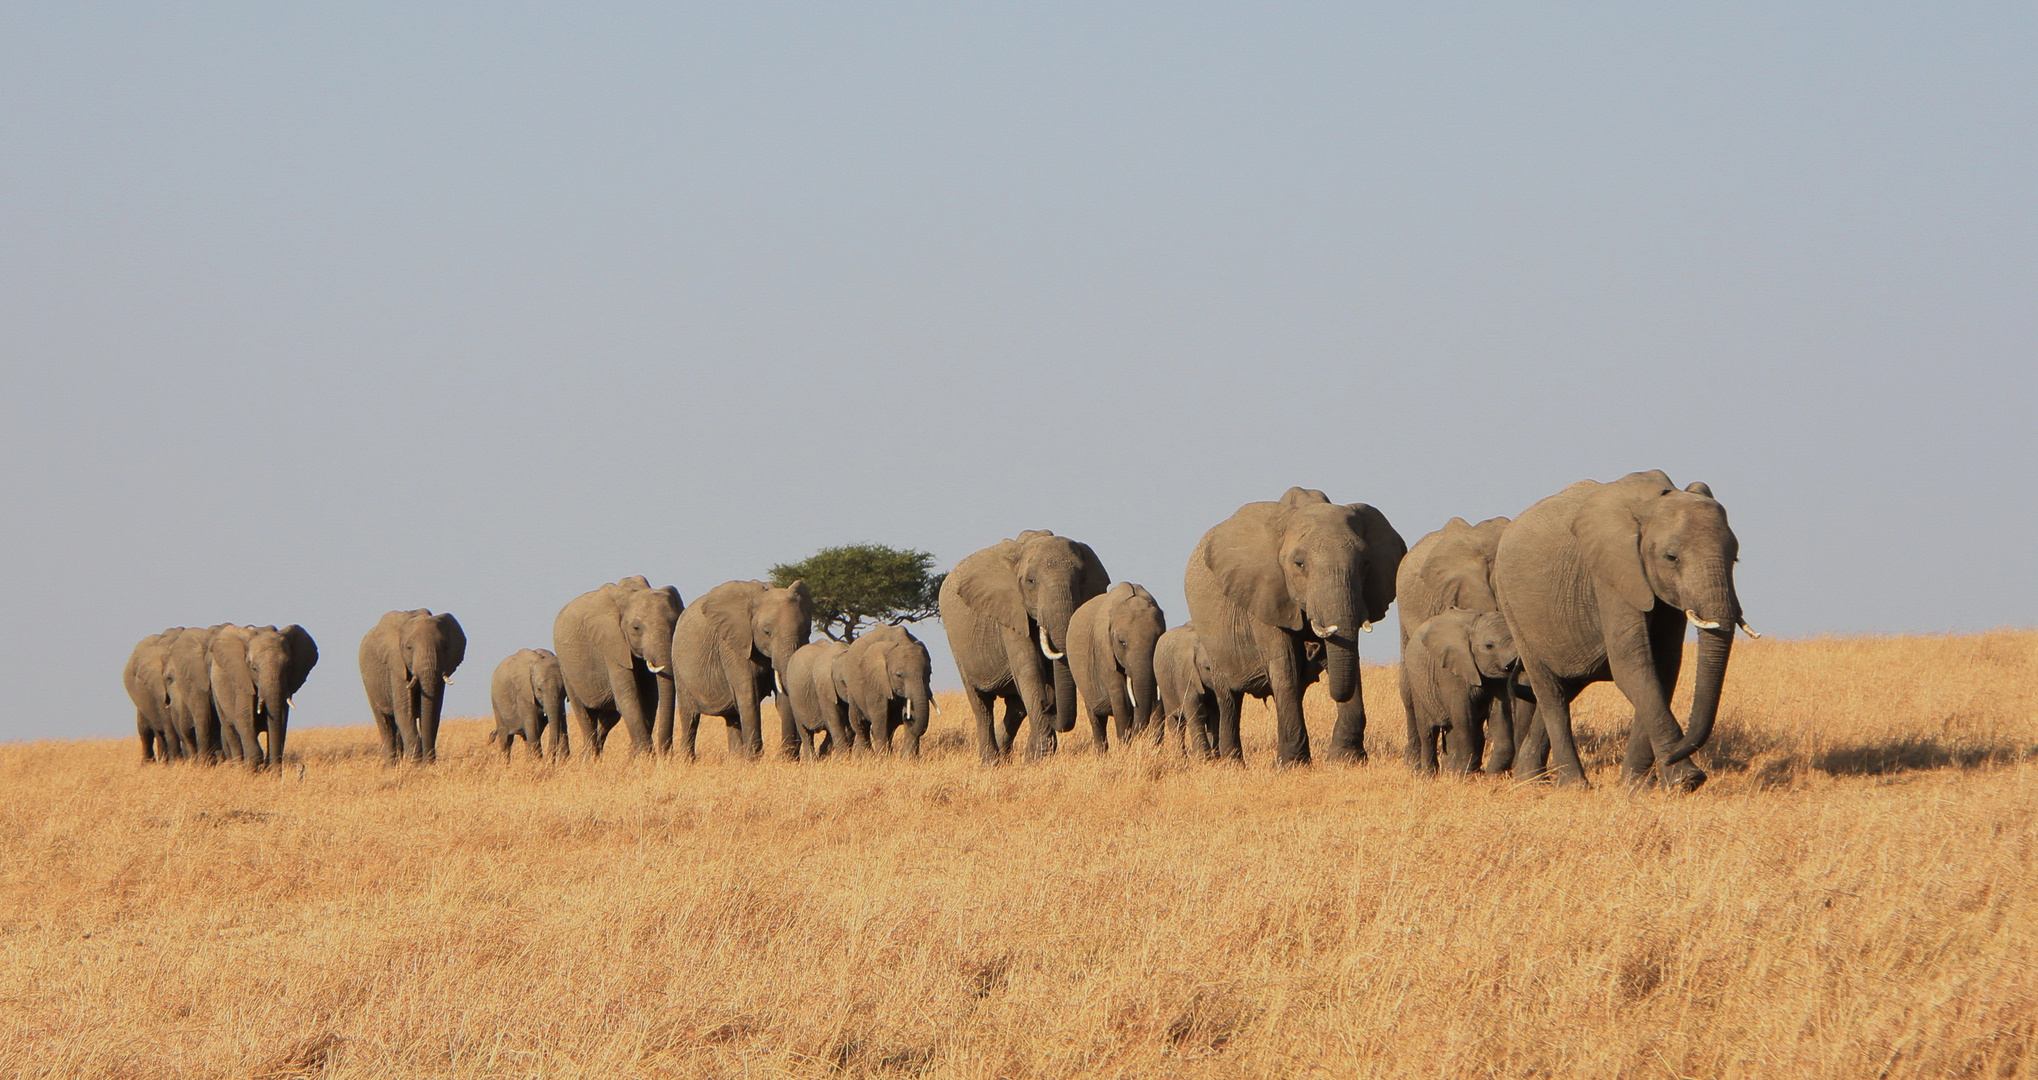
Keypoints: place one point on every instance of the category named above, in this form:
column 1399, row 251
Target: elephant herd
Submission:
column 1593, row 584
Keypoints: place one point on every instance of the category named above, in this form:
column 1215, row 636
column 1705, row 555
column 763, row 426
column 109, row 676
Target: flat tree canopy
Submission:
column 858, row 585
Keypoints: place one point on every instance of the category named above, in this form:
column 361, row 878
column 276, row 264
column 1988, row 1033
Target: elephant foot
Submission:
column 1684, row 783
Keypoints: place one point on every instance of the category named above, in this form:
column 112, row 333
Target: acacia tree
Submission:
column 858, row 585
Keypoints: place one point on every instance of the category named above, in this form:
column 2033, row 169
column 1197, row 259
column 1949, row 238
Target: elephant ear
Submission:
column 1095, row 579
column 729, row 608
column 303, row 657
column 1610, row 536
column 1244, row 554
column 454, row 648
column 874, row 674
column 1301, row 496
column 1384, row 552
column 988, row 584
column 634, row 582
column 1450, row 642
column 1699, row 487
column 609, row 636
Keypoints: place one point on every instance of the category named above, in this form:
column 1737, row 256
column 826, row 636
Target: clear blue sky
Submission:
column 308, row 312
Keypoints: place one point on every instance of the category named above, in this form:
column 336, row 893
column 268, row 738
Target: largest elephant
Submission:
column 1453, row 568
column 149, row 689
column 1597, row 583
column 615, row 649
column 1006, row 610
column 255, row 672
column 1275, row 577
column 731, row 649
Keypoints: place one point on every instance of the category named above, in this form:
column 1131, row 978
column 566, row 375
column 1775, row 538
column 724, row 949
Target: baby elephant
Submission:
column 819, row 724
column 885, row 679
column 1457, row 665
column 529, row 694
column 1188, row 705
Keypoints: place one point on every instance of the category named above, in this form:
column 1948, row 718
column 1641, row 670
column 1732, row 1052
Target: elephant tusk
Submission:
column 1749, row 629
column 1323, row 631
column 1698, row 622
column 656, row 669
column 932, row 700
column 1046, row 649
column 447, row 679
column 1367, row 627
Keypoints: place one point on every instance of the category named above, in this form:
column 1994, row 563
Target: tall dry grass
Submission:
column 1852, row 896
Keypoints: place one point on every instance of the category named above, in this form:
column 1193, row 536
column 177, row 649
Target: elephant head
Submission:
column 430, row 648
column 1311, row 566
column 1646, row 543
column 886, row 664
column 645, row 616
column 279, row 661
column 1478, row 649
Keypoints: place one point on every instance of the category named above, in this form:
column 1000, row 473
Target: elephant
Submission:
column 1185, row 680
column 615, row 649
column 886, row 678
column 818, row 706
column 256, row 670
column 1454, row 668
column 728, row 650
column 188, row 673
column 148, row 688
column 406, row 663
column 1597, row 583
column 528, row 694
column 1006, row 610
column 1452, row 567
column 1110, row 653
column 1278, row 575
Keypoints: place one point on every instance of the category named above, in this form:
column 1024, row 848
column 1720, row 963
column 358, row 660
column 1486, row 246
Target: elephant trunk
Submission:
column 1714, row 647
column 1340, row 668
column 274, row 701
column 1054, row 642
column 1145, row 690
column 552, row 710
column 1335, row 615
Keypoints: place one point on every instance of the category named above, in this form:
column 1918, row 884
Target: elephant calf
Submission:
column 1110, row 653
column 528, row 692
column 818, row 707
column 150, row 691
column 1187, row 690
column 1453, row 668
column 885, row 679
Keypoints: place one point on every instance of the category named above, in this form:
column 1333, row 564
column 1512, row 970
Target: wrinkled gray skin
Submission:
column 1276, row 577
column 188, row 671
column 1453, row 568
column 1110, row 653
column 255, row 671
column 1183, row 674
column 885, row 679
column 149, row 689
column 818, row 708
column 528, row 693
column 1006, row 610
column 727, row 651
column 1598, row 582
column 406, row 662
column 1454, row 667
column 615, row 648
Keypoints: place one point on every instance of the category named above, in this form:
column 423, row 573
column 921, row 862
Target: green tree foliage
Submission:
column 858, row 585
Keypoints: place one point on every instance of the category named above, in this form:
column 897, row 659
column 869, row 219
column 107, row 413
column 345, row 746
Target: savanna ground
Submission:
column 1853, row 895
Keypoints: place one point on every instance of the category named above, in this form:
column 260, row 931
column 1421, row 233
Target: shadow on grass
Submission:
column 1775, row 760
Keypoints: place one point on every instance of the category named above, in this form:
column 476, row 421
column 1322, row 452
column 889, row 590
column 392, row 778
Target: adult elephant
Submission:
column 527, row 693
column 729, row 650
column 818, row 705
column 1597, row 583
column 188, row 673
column 406, row 662
column 1006, row 610
column 1452, row 568
column 255, row 672
column 615, row 648
column 1454, row 668
column 148, row 688
column 1275, row 577
column 1110, row 654
column 885, row 677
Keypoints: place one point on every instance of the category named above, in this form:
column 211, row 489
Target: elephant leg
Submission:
column 789, row 735
column 392, row 744
column 1229, row 703
column 581, row 723
column 1348, row 733
column 636, row 715
column 839, row 732
column 686, row 727
column 1291, row 730
column 1465, row 743
column 882, row 729
column 147, row 735
column 1655, row 729
column 1036, row 695
column 1412, row 750
column 1013, row 714
column 1500, row 733
column 405, row 699
column 1553, row 711
column 1119, row 702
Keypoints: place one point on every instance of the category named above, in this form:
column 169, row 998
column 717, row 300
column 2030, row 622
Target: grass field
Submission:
column 1855, row 894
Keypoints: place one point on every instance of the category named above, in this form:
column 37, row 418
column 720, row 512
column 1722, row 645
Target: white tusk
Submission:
column 1698, row 622
column 1367, row 627
column 656, row 669
column 932, row 700
column 291, row 702
column 1047, row 649
column 1323, row 631
column 1749, row 629
column 447, row 679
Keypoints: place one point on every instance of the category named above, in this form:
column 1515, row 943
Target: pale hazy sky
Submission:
column 308, row 312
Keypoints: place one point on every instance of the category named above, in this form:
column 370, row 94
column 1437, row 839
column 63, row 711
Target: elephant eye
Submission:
column 1670, row 555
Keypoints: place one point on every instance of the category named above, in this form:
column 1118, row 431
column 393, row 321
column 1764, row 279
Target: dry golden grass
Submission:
column 1852, row 896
